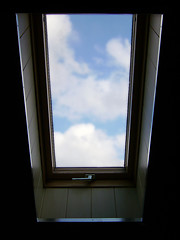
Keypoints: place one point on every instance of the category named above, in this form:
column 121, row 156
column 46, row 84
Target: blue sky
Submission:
column 89, row 59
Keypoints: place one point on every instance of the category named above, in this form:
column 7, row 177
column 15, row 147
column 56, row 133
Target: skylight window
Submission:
column 89, row 66
column 89, row 82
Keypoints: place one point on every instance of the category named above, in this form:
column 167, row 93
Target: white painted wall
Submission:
column 90, row 203
column 87, row 202
column 149, row 97
column 24, row 36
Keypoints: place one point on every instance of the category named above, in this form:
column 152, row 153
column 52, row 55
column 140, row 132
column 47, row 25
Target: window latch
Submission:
column 88, row 177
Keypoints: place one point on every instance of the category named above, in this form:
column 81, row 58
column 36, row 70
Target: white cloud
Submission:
column 99, row 99
column 119, row 49
column 83, row 145
column 60, row 31
column 77, row 90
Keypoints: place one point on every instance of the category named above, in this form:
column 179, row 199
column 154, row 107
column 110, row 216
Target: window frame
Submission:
column 104, row 177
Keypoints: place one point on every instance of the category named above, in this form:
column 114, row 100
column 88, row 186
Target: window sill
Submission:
column 89, row 220
column 96, row 183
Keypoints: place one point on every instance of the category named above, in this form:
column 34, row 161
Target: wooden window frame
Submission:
column 104, row 177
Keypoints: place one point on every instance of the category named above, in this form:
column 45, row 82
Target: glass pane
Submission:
column 89, row 60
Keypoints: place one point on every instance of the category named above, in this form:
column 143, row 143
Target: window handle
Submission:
column 88, row 177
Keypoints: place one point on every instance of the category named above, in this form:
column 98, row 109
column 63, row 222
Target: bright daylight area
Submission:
column 89, row 60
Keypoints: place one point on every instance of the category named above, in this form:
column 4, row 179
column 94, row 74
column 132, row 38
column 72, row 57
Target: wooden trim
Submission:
column 104, row 176
column 100, row 173
column 90, row 170
column 142, row 25
column 84, row 184
column 41, row 94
